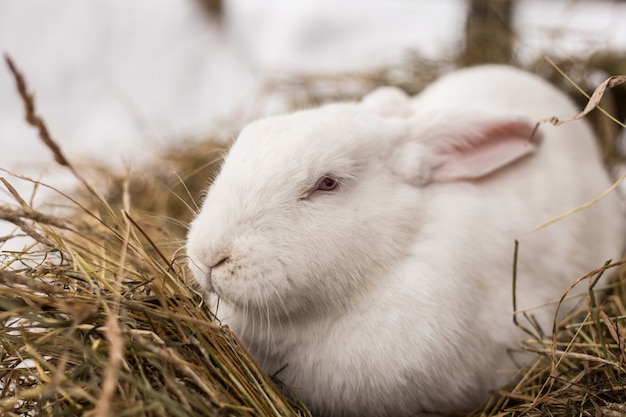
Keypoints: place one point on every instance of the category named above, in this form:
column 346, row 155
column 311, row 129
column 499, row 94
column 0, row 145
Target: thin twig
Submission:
column 37, row 121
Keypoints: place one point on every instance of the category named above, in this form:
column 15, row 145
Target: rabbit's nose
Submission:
column 221, row 260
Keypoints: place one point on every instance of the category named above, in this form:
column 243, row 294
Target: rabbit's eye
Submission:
column 327, row 184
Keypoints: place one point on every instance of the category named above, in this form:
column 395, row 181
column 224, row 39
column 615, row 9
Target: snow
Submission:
column 569, row 28
column 113, row 78
column 340, row 35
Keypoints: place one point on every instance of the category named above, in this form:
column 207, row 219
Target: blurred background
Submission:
column 121, row 83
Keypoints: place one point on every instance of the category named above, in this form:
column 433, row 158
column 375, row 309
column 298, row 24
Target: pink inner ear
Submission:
column 483, row 148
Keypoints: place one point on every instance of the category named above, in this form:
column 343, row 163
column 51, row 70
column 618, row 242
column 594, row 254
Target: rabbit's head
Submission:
column 311, row 208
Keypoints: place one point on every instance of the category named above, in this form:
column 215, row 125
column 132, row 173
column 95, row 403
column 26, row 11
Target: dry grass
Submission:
column 100, row 315
column 95, row 319
column 581, row 369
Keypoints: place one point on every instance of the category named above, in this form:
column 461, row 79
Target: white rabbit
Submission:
column 365, row 249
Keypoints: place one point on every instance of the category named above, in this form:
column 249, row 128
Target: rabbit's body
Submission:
column 390, row 294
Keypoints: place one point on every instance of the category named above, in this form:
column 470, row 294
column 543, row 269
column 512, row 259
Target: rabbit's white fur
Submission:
column 391, row 294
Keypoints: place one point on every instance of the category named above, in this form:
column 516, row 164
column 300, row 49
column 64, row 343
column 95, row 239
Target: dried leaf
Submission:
column 594, row 101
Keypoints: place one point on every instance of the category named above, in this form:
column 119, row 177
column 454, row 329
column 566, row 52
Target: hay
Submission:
column 100, row 315
column 96, row 319
column 581, row 370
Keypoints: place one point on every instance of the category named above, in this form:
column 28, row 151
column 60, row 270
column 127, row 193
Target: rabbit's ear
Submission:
column 463, row 147
column 388, row 102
